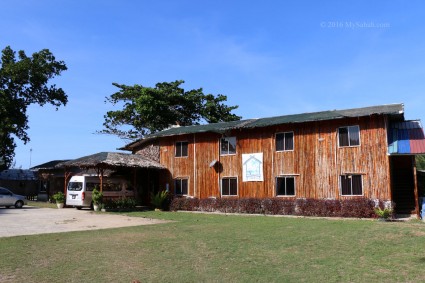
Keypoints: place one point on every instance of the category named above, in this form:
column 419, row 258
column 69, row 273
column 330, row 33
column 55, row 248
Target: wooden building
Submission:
column 363, row 152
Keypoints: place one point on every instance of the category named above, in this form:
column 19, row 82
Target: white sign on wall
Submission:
column 252, row 165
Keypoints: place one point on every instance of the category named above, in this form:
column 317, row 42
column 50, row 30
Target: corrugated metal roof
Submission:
column 390, row 109
column 406, row 137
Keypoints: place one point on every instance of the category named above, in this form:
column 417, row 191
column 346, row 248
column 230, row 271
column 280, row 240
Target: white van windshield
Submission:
column 75, row 186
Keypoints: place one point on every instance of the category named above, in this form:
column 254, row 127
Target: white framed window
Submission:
column 181, row 186
column 349, row 136
column 229, row 186
column 181, row 149
column 228, row 145
column 351, row 185
column 285, row 186
column 285, row 141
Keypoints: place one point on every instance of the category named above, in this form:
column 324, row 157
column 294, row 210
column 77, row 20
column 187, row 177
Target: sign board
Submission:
column 252, row 165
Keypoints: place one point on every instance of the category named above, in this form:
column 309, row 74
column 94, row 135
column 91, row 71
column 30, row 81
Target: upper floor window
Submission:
column 181, row 149
column 285, row 141
column 349, row 136
column 351, row 185
column 228, row 145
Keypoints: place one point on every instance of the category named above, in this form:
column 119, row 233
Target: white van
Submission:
column 80, row 188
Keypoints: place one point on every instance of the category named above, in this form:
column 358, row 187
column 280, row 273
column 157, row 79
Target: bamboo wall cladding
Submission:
column 316, row 162
column 207, row 174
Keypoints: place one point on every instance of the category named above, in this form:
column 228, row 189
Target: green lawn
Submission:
column 220, row 248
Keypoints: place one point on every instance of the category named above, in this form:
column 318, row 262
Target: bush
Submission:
column 250, row 205
column 383, row 213
column 123, row 203
column 227, row 205
column 278, row 206
column 183, row 203
column 97, row 196
column 356, row 207
column 59, row 197
column 158, row 200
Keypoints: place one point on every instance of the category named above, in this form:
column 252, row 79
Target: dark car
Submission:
column 8, row 199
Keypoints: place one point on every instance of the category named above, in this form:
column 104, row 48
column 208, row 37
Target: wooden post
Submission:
column 135, row 189
column 66, row 175
column 101, row 179
column 415, row 182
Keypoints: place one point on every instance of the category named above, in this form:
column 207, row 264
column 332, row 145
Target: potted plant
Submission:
column 59, row 198
column 97, row 198
column 158, row 200
column 383, row 214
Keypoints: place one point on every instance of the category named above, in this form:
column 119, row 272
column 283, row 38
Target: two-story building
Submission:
column 364, row 152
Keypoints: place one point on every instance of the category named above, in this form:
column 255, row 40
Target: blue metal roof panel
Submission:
column 406, row 137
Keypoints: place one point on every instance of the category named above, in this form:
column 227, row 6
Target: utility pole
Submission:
column 30, row 157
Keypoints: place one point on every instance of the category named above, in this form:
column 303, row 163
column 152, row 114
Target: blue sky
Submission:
column 269, row 57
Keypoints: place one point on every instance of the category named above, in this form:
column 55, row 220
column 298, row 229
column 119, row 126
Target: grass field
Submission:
column 222, row 248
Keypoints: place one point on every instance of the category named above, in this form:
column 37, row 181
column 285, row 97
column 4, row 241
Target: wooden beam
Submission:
column 136, row 191
column 101, row 179
column 67, row 176
column 415, row 182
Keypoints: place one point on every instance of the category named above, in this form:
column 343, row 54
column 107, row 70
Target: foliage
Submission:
column 150, row 109
column 97, row 196
column 357, row 207
column 383, row 213
column 59, row 197
column 159, row 199
column 123, row 203
column 24, row 81
column 420, row 162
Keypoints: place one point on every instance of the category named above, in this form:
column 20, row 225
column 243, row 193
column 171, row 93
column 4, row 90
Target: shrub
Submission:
column 59, row 197
column 356, row 207
column 250, row 205
column 227, row 205
column 96, row 196
column 278, row 206
column 158, row 200
column 383, row 213
column 183, row 203
column 208, row 204
column 123, row 203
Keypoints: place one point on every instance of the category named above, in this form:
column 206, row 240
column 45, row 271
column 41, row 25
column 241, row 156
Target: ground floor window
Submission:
column 351, row 185
column 285, row 186
column 229, row 186
column 181, row 186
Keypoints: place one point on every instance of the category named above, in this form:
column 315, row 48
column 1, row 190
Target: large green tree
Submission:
column 24, row 81
column 150, row 109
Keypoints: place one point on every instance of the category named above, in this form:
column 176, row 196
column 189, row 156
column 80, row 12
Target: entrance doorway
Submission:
column 403, row 185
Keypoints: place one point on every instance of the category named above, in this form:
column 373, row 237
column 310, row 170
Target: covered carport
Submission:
column 142, row 172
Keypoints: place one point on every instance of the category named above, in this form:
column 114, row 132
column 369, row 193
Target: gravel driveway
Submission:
column 33, row 220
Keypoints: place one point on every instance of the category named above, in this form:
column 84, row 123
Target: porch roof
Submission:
column 112, row 160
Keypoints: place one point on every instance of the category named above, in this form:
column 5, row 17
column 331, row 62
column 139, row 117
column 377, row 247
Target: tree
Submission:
column 24, row 81
column 147, row 110
column 420, row 162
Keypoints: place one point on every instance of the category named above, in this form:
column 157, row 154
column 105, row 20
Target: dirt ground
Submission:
column 33, row 220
